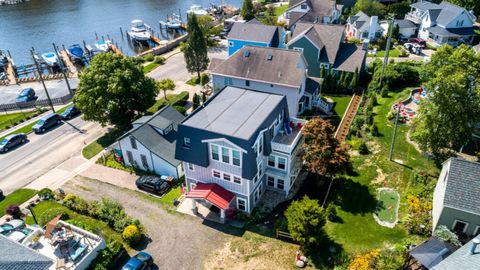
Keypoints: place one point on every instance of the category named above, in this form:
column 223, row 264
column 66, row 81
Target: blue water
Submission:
column 39, row 23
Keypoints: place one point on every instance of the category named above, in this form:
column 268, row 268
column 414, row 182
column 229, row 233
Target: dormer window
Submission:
column 186, row 142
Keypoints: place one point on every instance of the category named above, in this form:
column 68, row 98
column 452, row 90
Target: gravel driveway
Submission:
column 177, row 241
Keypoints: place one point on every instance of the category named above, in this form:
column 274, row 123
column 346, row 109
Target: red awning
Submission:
column 213, row 193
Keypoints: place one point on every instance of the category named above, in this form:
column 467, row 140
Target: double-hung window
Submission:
column 133, row 142
column 280, row 184
column 242, row 204
column 282, row 163
column 271, row 161
column 236, row 157
column 225, row 155
column 144, row 161
column 214, row 150
column 216, row 174
column 270, row 181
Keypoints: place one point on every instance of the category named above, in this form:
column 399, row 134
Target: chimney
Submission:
column 373, row 27
column 475, row 243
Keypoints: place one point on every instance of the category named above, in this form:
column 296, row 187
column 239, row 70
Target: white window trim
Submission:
column 230, row 154
column 192, row 168
column 233, row 179
column 213, row 174
column 458, row 220
column 222, row 173
column 246, row 204
column 276, row 162
column 211, row 152
column 477, row 230
column 298, row 49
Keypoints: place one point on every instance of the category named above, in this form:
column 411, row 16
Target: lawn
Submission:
column 387, row 205
column 101, row 143
column 17, row 197
column 149, row 67
column 10, row 119
column 393, row 53
column 341, row 105
column 279, row 10
column 172, row 99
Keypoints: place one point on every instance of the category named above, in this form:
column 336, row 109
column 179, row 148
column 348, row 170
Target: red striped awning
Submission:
column 213, row 193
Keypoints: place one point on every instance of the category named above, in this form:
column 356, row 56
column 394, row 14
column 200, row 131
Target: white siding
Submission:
column 164, row 168
column 467, row 22
column 439, row 195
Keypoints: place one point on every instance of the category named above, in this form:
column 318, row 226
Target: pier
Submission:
column 162, row 48
column 115, row 49
column 11, row 73
column 68, row 63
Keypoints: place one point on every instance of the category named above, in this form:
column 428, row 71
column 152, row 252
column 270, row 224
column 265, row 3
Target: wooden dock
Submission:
column 155, row 39
column 115, row 49
column 11, row 73
column 68, row 62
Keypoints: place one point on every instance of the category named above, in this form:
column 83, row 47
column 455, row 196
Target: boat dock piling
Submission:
column 115, row 49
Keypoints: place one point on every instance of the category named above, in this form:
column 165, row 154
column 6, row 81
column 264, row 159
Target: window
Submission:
column 300, row 106
column 255, row 178
column 237, row 180
column 271, row 161
column 216, row 174
column 226, row 177
column 236, row 157
column 130, row 158
column 459, row 226
column 247, row 83
column 260, row 170
column 260, row 146
column 186, row 142
column 214, row 151
column 190, row 167
column 303, row 6
column 282, row 163
column 230, row 43
column 133, row 142
column 144, row 161
column 270, row 181
column 225, row 155
column 242, row 204
column 271, row 85
column 280, row 184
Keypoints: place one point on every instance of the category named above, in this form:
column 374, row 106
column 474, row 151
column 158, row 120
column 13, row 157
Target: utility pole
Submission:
column 63, row 69
column 394, row 133
column 391, row 19
column 41, row 79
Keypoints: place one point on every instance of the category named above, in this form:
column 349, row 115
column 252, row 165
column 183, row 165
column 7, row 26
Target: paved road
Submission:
column 44, row 152
column 56, row 88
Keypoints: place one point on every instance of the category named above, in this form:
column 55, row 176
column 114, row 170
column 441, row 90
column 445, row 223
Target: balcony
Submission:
column 414, row 17
column 286, row 140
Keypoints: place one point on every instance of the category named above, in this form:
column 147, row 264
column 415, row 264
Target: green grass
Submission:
column 63, row 109
column 341, row 105
column 97, row 146
column 149, row 67
column 9, row 119
column 393, row 53
column 172, row 99
column 387, row 205
column 279, row 10
column 17, row 197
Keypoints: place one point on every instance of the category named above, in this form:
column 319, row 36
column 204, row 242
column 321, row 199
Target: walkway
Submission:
column 344, row 127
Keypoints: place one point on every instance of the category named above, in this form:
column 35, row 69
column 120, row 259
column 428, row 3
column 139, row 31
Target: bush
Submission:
column 446, row 235
column 149, row 57
column 374, row 130
column 331, row 212
column 204, row 79
column 180, row 109
column 46, row 194
column 160, row 60
column 384, row 91
column 132, row 234
column 13, row 210
column 105, row 258
column 50, row 214
column 363, row 149
column 369, row 118
column 69, row 199
column 110, row 210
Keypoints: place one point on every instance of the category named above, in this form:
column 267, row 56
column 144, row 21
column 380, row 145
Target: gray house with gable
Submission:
column 240, row 143
column 456, row 200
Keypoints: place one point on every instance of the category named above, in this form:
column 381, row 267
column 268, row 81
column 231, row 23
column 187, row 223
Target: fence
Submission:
column 36, row 103
column 284, row 235
column 160, row 49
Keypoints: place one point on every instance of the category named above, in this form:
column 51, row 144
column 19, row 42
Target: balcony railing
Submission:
column 414, row 17
column 286, row 140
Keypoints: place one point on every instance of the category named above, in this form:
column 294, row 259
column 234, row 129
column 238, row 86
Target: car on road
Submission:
column 153, row 184
column 6, row 229
column 70, row 112
column 46, row 122
column 27, row 94
column 141, row 261
column 11, row 141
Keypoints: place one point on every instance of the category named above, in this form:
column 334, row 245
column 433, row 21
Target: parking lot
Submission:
column 56, row 88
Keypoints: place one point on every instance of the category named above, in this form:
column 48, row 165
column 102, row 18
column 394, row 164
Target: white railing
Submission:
column 412, row 16
column 288, row 148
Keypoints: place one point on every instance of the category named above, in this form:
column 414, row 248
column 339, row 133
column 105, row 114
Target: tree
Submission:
column 369, row 7
column 322, row 72
column 323, row 153
column 195, row 50
column 195, row 101
column 247, row 11
column 113, row 90
column 305, row 219
column 447, row 118
column 354, row 82
column 166, row 85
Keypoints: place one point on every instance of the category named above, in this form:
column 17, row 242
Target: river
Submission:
column 39, row 23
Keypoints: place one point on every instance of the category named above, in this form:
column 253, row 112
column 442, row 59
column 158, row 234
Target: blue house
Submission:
column 254, row 33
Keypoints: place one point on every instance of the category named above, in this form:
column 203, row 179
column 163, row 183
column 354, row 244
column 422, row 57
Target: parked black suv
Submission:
column 152, row 184
column 70, row 112
column 46, row 122
column 11, row 141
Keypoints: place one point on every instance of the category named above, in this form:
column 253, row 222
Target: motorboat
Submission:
column 139, row 31
column 75, row 52
column 103, row 46
column 173, row 22
column 50, row 58
column 197, row 10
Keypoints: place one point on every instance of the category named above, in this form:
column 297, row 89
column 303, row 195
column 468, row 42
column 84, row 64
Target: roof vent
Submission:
column 269, row 57
column 246, row 53
column 475, row 243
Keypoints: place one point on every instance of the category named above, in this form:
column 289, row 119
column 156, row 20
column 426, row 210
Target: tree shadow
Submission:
column 327, row 253
column 353, row 197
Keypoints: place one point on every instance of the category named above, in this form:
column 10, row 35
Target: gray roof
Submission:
column 451, row 32
column 312, row 84
column 463, row 185
column 431, row 252
column 251, row 63
column 360, row 21
column 252, row 31
column 234, row 112
column 318, row 9
column 350, row 56
column 161, row 145
column 15, row 256
column 442, row 13
column 461, row 259
column 405, row 24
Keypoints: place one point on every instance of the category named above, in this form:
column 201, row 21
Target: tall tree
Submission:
column 247, row 11
column 354, row 82
column 369, row 7
column 195, row 50
column 305, row 219
column 113, row 90
column 166, row 85
column 447, row 118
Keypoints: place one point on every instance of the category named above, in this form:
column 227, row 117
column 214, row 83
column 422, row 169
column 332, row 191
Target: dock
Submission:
column 11, row 73
column 155, row 39
column 163, row 48
column 68, row 63
column 115, row 49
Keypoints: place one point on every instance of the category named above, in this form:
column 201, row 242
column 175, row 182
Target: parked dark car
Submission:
column 11, row 141
column 46, row 122
column 418, row 41
column 141, row 261
column 152, row 184
column 27, row 94
column 70, row 113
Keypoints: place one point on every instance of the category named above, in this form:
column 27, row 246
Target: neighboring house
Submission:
column 150, row 144
column 456, row 197
column 238, row 145
column 254, row 33
column 270, row 70
column 465, row 258
column 361, row 26
column 443, row 23
column 323, row 45
column 428, row 254
column 406, row 28
column 311, row 11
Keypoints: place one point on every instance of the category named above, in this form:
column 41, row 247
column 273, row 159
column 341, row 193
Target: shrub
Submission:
column 149, row 57
column 110, row 210
column 363, row 149
column 384, row 91
column 132, row 234
column 374, row 130
column 445, row 234
column 331, row 212
column 80, row 205
column 180, row 109
column 358, row 123
column 13, row 210
column 50, row 214
column 93, row 208
column 69, row 200
column 46, row 194
column 105, row 258
column 369, row 118
column 204, row 79
column 160, row 60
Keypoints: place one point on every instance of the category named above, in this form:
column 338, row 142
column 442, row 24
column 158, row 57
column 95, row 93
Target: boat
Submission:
column 173, row 22
column 139, row 31
column 103, row 46
column 76, row 52
column 50, row 58
column 197, row 10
